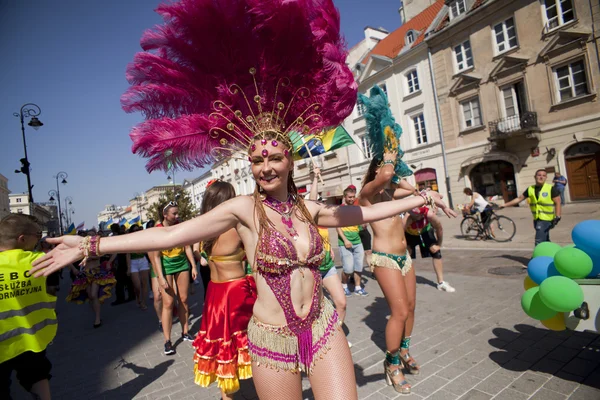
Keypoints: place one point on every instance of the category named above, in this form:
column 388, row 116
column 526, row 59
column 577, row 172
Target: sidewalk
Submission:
column 473, row 344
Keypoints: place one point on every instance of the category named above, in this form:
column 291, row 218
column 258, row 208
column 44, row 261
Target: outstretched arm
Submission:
column 314, row 188
column 335, row 216
column 514, row 202
column 209, row 225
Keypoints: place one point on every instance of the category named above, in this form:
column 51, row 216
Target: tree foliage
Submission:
column 187, row 210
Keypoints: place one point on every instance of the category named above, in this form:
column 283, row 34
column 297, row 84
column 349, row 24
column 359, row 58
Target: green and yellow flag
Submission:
column 331, row 139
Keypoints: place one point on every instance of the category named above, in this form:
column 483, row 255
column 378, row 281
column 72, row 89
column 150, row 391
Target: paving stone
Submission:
column 442, row 395
column 462, row 384
column 483, row 369
column 577, row 342
column 548, row 343
column 581, row 367
column 474, row 394
column 561, row 385
column 545, row 394
column 585, row 393
column 429, row 385
column 511, row 394
column 494, row 384
column 547, row 366
column 528, row 383
column 532, row 354
column 563, row 354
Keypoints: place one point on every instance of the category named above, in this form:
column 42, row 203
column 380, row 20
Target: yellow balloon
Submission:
column 528, row 283
column 556, row 323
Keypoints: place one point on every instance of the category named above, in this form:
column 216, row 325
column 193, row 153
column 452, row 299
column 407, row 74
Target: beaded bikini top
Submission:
column 276, row 259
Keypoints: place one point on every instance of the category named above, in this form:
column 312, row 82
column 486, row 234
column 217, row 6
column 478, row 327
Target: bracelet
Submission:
column 429, row 202
column 392, row 162
column 84, row 246
column 94, row 249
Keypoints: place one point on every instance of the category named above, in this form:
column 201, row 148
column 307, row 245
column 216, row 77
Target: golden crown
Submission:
column 241, row 131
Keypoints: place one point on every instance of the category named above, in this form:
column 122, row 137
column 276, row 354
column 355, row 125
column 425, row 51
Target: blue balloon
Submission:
column 586, row 235
column 540, row 268
column 596, row 268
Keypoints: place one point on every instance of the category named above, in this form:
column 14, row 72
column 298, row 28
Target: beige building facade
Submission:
column 517, row 89
column 45, row 213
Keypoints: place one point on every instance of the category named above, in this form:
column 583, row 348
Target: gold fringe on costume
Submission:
column 378, row 260
column 277, row 347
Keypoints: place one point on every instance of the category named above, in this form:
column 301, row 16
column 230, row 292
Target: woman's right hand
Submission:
column 390, row 156
column 164, row 283
column 66, row 252
column 437, row 199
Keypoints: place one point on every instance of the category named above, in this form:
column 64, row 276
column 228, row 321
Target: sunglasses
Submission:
column 169, row 205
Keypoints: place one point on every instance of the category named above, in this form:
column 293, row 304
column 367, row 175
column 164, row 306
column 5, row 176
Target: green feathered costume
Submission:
column 383, row 132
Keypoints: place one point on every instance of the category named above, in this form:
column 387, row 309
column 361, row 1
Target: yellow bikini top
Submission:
column 238, row 256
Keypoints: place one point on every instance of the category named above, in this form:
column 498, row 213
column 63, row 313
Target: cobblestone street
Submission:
column 473, row 344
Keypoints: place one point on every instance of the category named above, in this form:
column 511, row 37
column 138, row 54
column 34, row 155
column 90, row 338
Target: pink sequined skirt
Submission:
column 278, row 347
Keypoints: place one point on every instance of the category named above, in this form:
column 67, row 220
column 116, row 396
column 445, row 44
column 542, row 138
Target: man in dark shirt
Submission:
column 544, row 202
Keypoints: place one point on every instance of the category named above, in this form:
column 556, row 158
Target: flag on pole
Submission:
column 122, row 222
column 80, row 226
column 332, row 139
column 71, row 230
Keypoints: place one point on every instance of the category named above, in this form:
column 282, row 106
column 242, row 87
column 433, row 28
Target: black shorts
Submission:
column 31, row 368
column 53, row 279
column 424, row 242
column 365, row 238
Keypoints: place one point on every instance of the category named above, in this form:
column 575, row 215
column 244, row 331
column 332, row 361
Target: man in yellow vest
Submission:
column 544, row 202
column 27, row 317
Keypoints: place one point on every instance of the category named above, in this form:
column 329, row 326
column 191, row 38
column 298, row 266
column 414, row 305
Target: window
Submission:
column 558, row 13
column 410, row 37
column 384, row 88
column 505, row 36
column 365, row 146
column 360, row 109
column 457, row 8
column 19, row 200
column 513, row 97
column 19, row 211
column 571, row 80
column 413, row 81
column 471, row 113
column 463, row 56
column 420, row 131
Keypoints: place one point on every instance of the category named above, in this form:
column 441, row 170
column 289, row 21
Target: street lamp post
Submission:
column 61, row 175
column 28, row 110
column 68, row 202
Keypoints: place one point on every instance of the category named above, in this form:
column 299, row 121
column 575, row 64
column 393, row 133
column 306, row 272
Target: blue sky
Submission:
column 69, row 57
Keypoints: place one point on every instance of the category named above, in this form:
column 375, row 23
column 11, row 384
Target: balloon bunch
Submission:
column 550, row 289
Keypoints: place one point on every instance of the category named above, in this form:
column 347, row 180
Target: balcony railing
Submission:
column 514, row 125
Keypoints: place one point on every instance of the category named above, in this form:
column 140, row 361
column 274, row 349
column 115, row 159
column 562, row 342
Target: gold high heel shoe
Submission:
column 401, row 387
column 409, row 363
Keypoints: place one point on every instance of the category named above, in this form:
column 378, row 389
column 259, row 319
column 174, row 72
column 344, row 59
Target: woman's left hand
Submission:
column 194, row 273
column 66, row 252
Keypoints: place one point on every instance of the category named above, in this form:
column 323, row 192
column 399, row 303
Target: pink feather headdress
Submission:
column 218, row 73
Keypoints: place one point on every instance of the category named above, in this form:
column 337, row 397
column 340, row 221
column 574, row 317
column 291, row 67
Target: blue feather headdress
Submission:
column 382, row 130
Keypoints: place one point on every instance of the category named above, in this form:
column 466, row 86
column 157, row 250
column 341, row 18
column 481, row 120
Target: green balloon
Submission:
column 534, row 307
column 561, row 294
column 573, row 263
column 547, row 249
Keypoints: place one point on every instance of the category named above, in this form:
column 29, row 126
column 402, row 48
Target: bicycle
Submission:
column 498, row 227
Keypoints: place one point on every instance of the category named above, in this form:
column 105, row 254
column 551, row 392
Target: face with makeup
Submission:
column 271, row 166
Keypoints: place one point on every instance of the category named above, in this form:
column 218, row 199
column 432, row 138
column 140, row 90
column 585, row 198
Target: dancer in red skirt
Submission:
column 222, row 342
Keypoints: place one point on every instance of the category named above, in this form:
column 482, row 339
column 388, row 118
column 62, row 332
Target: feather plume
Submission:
column 193, row 76
column 383, row 132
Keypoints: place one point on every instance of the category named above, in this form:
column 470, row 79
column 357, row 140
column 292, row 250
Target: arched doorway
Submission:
column 426, row 178
column 583, row 168
column 494, row 179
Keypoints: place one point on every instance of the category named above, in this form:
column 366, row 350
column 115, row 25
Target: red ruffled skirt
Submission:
column 222, row 343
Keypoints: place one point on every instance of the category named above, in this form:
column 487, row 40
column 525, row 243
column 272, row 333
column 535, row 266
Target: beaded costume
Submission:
column 296, row 346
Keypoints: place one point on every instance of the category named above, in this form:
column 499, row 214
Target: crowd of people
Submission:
column 264, row 258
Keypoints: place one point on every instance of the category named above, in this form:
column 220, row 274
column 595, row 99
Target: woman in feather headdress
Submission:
column 229, row 77
column 391, row 264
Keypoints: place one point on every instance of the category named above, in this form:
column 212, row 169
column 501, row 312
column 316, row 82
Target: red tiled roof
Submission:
column 394, row 42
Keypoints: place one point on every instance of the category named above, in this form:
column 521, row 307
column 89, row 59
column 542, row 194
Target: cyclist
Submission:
column 478, row 204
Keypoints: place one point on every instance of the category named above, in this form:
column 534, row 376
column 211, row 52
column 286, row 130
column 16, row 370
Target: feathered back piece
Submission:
column 382, row 130
column 220, row 73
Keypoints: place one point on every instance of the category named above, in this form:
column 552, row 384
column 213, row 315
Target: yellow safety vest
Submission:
column 541, row 207
column 27, row 317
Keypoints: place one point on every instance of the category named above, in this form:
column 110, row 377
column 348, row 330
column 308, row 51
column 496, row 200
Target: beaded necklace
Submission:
column 285, row 209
